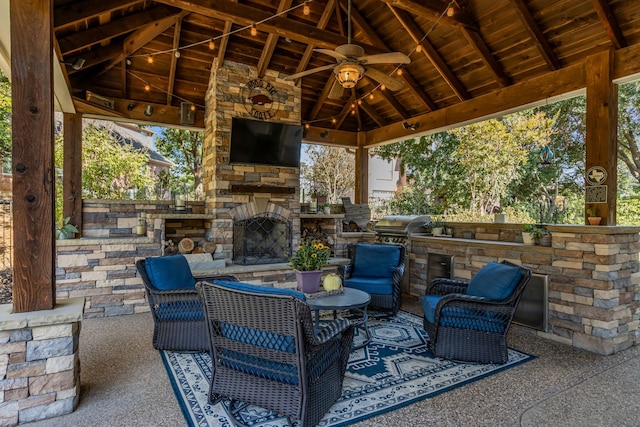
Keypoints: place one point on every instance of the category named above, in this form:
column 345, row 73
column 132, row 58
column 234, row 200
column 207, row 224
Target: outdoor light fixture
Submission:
column 130, row 106
column 411, row 126
column 78, row 63
column 348, row 74
column 324, row 134
column 148, row 111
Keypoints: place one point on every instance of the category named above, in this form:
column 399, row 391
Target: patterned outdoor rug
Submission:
column 394, row 370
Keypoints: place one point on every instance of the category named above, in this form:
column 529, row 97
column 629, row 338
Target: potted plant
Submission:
column 64, row 230
column 592, row 216
column 498, row 216
column 437, row 226
column 308, row 262
column 543, row 236
column 528, row 237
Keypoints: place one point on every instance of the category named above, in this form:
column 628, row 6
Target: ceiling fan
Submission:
column 352, row 64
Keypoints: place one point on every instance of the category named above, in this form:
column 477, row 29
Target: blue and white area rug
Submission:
column 395, row 369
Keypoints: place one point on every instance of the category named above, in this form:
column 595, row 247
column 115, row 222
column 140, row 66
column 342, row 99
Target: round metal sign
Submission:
column 596, row 175
column 261, row 99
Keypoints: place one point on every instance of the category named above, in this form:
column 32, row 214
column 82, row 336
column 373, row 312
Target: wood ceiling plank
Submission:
column 477, row 42
column 75, row 13
column 272, row 41
column 417, row 89
column 83, row 39
column 388, row 96
column 322, row 24
column 323, row 97
column 536, row 34
column 371, row 112
column 434, row 10
column 431, row 53
column 610, row 23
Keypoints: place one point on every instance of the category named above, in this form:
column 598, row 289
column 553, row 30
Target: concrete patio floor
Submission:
column 123, row 383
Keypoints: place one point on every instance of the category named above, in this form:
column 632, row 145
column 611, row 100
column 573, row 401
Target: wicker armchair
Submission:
column 265, row 351
column 178, row 318
column 470, row 321
column 377, row 270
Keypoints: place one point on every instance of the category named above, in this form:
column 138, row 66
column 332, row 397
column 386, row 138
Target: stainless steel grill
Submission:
column 397, row 228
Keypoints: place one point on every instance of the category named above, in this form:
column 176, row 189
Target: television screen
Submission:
column 266, row 143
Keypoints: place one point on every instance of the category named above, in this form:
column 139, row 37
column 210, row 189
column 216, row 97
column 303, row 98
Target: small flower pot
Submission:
column 594, row 220
column 528, row 239
column 498, row 218
column 308, row 281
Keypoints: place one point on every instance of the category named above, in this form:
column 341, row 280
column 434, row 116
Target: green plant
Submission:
column 592, row 212
column 528, row 228
column 311, row 255
column 64, row 229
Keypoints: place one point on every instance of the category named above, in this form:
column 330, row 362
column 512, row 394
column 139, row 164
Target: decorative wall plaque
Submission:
column 596, row 194
column 596, row 175
column 261, row 99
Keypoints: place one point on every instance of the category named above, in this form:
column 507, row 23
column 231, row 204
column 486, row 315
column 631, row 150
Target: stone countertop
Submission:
column 477, row 242
column 65, row 311
column 560, row 228
column 200, row 271
column 91, row 241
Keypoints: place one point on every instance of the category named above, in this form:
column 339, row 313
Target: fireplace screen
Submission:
column 261, row 239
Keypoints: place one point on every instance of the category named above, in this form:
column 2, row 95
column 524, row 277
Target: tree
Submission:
column 330, row 171
column 110, row 170
column 184, row 148
column 629, row 127
column 5, row 116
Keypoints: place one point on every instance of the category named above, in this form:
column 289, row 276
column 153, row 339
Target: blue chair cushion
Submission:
column 267, row 290
column 257, row 366
column 371, row 285
column 494, row 281
column 462, row 318
column 180, row 311
column 375, row 260
column 169, row 272
column 258, row 337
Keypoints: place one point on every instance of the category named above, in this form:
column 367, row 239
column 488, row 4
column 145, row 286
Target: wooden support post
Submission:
column 601, row 140
column 72, row 170
column 362, row 170
column 33, row 184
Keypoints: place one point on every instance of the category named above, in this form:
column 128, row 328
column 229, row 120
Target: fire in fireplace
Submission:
column 261, row 239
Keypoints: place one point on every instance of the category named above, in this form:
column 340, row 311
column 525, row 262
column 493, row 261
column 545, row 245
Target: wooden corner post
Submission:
column 601, row 179
column 362, row 170
column 33, row 184
column 72, row 170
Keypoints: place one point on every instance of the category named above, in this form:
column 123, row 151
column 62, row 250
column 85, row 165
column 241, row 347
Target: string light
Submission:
column 254, row 30
column 177, row 54
column 371, row 95
column 383, row 87
column 150, row 59
column 306, row 9
column 333, row 120
column 399, row 71
column 419, row 48
column 450, row 11
column 212, row 44
column 147, row 88
column 193, row 107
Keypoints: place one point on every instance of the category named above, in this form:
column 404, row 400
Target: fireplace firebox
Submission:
column 262, row 239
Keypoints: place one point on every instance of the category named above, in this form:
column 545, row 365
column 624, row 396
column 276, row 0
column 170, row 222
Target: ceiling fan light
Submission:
column 348, row 75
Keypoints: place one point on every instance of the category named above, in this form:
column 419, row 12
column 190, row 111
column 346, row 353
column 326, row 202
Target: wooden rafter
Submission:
column 322, row 23
column 475, row 40
column 174, row 60
column 434, row 10
column 431, row 53
column 536, row 34
column 224, row 42
column 388, row 96
column 610, row 23
column 272, row 41
column 417, row 89
column 345, row 110
column 371, row 112
column 81, row 40
column 323, row 97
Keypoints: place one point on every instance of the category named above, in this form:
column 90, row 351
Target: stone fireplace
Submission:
column 232, row 188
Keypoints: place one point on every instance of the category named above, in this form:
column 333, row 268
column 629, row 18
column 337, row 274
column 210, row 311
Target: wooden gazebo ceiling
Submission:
column 484, row 47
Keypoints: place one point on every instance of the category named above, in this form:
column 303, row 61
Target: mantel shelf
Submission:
column 258, row 188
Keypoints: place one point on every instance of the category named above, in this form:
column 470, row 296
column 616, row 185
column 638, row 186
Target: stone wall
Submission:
column 594, row 278
column 225, row 99
column 39, row 362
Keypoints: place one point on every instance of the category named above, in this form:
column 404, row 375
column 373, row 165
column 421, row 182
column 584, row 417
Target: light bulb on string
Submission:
column 306, row 125
column 147, row 88
column 333, row 120
column 306, row 10
column 450, row 11
column 193, row 107
column 212, row 45
column 254, row 30
column 383, row 87
column 150, row 59
column 371, row 96
column 419, row 48
column 177, row 54
column 359, row 101
column 399, row 72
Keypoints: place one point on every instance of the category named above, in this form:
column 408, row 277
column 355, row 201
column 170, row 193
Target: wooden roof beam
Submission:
column 322, row 24
column 83, row 39
column 610, row 23
column 475, row 40
column 371, row 112
column 174, row 61
column 435, row 10
column 224, row 42
column 536, row 34
column 417, row 89
column 391, row 100
column 345, row 110
column 70, row 14
column 272, row 41
column 246, row 15
column 430, row 53
column 323, row 97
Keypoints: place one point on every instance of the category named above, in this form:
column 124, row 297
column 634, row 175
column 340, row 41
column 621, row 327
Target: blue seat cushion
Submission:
column 371, row 285
column 169, row 272
column 267, row 290
column 180, row 311
column 461, row 317
column 495, row 281
column 258, row 337
column 260, row 367
column 375, row 260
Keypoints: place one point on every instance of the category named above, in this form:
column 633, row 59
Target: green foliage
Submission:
column 311, row 256
column 329, row 172
column 5, row 116
column 184, row 149
column 628, row 211
column 109, row 170
column 64, row 228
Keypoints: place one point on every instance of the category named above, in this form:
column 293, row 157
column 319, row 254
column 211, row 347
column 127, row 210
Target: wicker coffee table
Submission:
column 350, row 299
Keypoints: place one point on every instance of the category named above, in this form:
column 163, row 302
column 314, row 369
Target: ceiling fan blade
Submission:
column 386, row 58
column 336, row 91
column 331, row 53
column 311, row 71
column 382, row 78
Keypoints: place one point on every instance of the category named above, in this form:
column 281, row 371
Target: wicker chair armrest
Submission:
column 330, row 330
column 497, row 309
column 444, row 286
column 224, row 278
column 175, row 292
column 345, row 271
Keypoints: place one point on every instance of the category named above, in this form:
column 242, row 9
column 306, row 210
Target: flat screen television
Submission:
column 267, row 143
